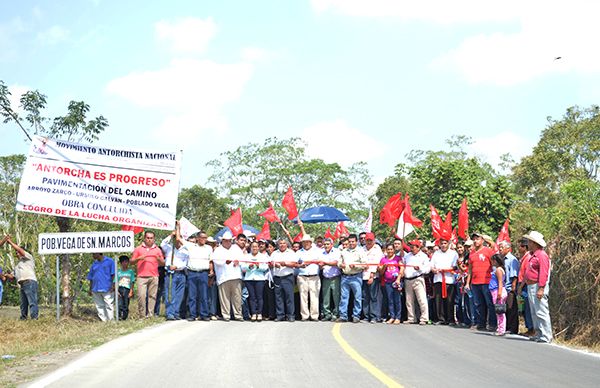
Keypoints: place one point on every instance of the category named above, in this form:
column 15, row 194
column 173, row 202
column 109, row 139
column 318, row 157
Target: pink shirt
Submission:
column 147, row 267
column 391, row 273
column 524, row 263
column 538, row 268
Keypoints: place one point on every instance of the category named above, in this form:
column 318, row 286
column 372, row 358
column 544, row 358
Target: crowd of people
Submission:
column 474, row 284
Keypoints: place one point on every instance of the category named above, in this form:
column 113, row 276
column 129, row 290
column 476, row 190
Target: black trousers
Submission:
column 512, row 313
column 444, row 306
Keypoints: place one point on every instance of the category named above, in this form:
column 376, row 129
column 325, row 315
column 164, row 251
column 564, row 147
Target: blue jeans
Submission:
column 177, row 292
column 123, row 302
column 284, row 296
column 527, row 311
column 351, row 283
column 255, row 299
column 213, row 300
column 484, row 306
column 394, row 303
column 29, row 299
column 197, row 299
column 371, row 300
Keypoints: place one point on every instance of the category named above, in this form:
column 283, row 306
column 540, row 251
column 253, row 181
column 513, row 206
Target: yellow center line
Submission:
column 372, row 369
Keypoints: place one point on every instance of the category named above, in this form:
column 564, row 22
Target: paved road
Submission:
column 234, row 354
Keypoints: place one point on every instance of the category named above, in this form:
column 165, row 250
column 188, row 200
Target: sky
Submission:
column 357, row 80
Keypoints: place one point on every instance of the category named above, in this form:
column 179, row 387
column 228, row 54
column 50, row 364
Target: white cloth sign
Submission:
column 114, row 185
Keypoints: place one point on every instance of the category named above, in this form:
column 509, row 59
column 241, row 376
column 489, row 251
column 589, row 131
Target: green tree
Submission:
column 443, row 179
column 568, row 149
column 202, row 207
column 73, row 126
column 254, row 174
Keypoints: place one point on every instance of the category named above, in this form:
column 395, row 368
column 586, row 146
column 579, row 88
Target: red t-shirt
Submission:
column 147, row 267
column 481, row 265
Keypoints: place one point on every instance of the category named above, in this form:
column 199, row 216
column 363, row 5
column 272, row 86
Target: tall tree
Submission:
column 254, row 174
column 202, row 207
column 73, row 126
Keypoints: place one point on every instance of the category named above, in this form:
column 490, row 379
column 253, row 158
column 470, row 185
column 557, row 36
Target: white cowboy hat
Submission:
column 307, row 237
column 227, row 236
column 536, row 237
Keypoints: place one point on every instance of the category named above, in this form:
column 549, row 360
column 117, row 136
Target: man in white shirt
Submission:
column 371, row 288
column 284, row 262
column 197, row 276
column 309, row 283
column 229, row 277
column 443, row 263
column 330, row 288
column 417, row 265
column 353, row 260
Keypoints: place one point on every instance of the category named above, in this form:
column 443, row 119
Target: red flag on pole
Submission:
column 503, row 235
column 329, row 235
column 436, row 222
column 298, row 238
column 391, row 210
column 234, row 222
column 341, row 230
column 408, row 216
column 134, row 229
column 265, row 233
column 289, row 204
column 270, row 214
column 463, row 220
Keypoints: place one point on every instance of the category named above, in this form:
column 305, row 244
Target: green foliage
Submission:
column 255, row 174
column 443, row 179
column 568, row 149
column 203, row 208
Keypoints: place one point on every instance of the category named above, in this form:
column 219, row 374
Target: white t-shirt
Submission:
column 444, row 260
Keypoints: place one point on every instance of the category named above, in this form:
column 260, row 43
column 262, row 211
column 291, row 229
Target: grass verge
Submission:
column 43, row 345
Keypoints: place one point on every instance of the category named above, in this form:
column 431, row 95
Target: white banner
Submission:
column 404, row 229
column 114, row 185
column 85, row 242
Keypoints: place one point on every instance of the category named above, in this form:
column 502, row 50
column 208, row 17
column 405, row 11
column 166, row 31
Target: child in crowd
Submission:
column 126, row 278
column 498, row 290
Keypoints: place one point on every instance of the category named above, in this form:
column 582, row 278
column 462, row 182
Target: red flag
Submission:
column 408, row 216
column 298, row 238
column 391, row 211
column 454, row 238
column 503, row 235
column 134, row 229
column 446, row 232
column 289, row 204
column 341, row 230
column 265, row 233
column 270, row 214
column 234, row 223
column 463, row 220
column 329, row 235
column 436, row 222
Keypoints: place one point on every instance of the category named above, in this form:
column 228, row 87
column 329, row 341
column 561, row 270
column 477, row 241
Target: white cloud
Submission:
column 490, row 149
column 53, row 35
column 191, row 93
column 566, row 30
column 438, row 11
column 189, row 35
column 255, row 54
column 335, row 141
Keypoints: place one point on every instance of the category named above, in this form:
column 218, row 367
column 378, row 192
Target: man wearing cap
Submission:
column 478, row 280
column 353, row 263
column 417, row 266
column 148, row 257
column 26, row 279
column 229, row 277
column 443, row 264
column 511, row 267
column 537, row 277
column 197, row 276
column 176, row 258
column 284, row 261
column 330, row 289
column 371, row 287
column 309, row 283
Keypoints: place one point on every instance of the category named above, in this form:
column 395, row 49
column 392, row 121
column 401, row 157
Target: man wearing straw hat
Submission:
column 537, row 277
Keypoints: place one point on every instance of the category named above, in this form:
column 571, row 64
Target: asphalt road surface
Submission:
column 319, row 354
